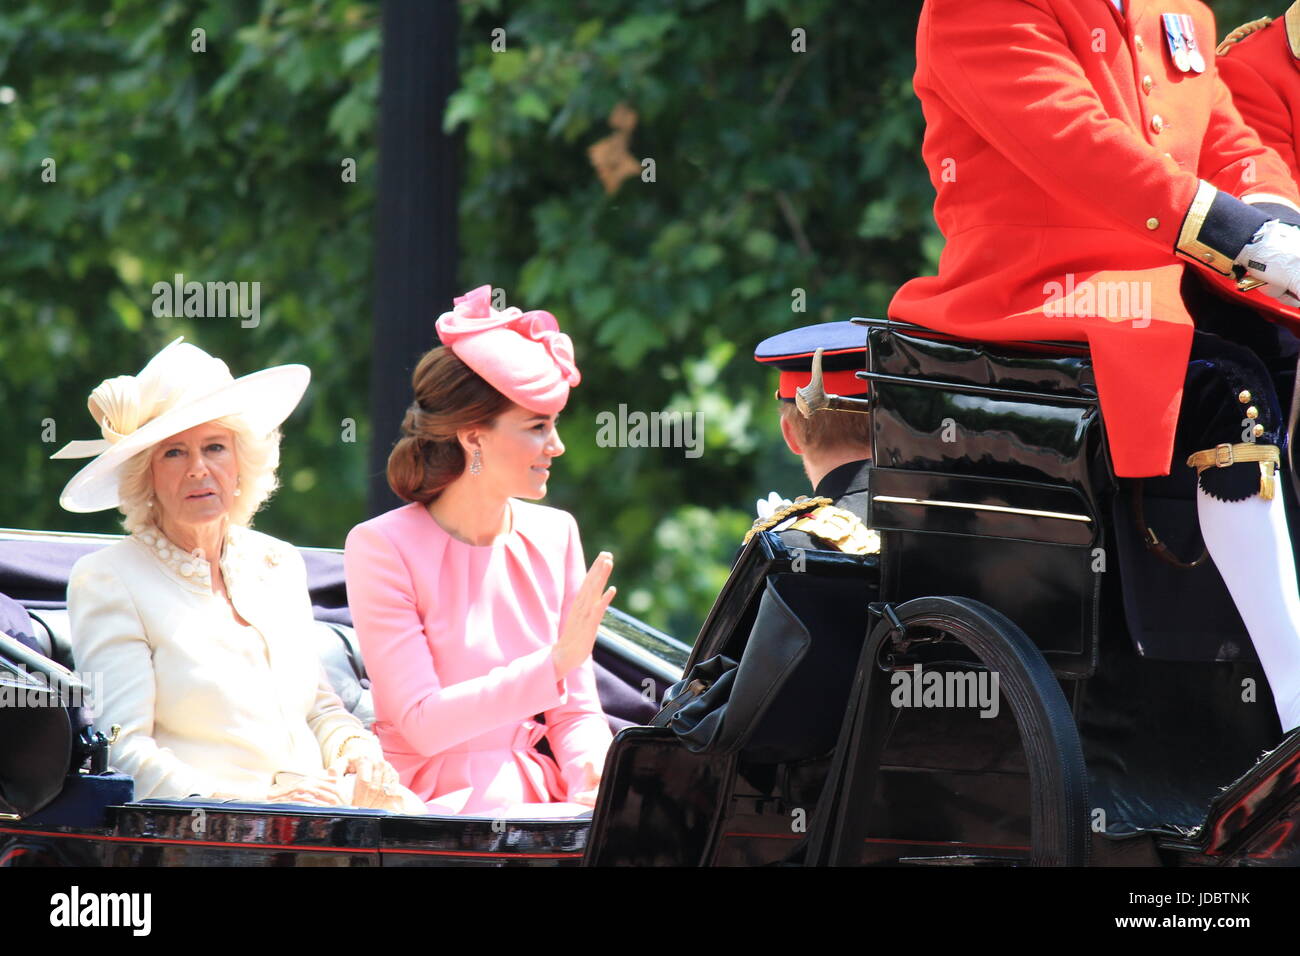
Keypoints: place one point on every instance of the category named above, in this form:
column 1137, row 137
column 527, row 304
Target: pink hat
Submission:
column 523, row 355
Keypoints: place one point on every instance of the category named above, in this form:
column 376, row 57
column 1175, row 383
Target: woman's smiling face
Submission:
column 517, row 452
column 195, row 475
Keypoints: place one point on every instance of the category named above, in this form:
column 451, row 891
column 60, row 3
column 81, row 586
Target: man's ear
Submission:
column 788, row 433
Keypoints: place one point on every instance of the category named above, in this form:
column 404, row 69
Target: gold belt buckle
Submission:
column 1223, row 455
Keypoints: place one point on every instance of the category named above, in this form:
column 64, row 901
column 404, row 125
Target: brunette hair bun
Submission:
column 449, row 396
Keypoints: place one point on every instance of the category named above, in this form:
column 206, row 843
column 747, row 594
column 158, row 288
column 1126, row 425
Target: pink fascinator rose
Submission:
column 523, row 355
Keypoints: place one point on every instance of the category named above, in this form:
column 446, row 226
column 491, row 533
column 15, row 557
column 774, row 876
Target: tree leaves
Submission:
column 222, row 165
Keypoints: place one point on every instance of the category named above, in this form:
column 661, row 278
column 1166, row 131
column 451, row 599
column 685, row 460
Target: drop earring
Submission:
column 476, row 463
column 238, row 491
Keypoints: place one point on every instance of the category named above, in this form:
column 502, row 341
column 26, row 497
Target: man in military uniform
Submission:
column 779, row 702
column 1081, row 148
column 1260, row 63
column 835, row 445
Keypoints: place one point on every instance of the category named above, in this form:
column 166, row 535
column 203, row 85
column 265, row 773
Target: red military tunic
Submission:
column 1260, row 62
column 1069, row 153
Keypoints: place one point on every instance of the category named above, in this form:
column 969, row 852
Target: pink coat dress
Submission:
column 457, row 642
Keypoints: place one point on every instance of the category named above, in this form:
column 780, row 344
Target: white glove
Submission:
column 1274, row 258
column 1286, row 298
column 768, row 505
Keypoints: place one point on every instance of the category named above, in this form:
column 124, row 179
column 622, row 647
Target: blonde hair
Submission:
column 258, row 460
column 828, row 429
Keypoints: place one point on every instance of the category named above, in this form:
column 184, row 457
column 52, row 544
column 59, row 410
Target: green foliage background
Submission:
column 775, row 171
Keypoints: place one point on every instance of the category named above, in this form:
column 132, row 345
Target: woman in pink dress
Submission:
column 471, row 605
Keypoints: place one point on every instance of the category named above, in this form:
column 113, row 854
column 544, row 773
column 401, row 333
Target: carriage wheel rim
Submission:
column 1054, row 754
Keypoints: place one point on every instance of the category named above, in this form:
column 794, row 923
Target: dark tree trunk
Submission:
column 415, row 251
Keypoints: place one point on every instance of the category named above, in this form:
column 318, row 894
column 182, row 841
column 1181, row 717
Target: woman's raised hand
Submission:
column 578, row 633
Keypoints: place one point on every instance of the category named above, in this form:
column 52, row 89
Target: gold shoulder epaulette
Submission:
column 1239, row 34
column 842, row 529
column 797, row 507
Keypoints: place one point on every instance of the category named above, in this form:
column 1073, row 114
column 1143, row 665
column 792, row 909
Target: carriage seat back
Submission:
column 1053, row 368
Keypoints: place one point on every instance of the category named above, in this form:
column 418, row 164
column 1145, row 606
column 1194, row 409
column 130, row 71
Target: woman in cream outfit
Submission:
column 199, row 625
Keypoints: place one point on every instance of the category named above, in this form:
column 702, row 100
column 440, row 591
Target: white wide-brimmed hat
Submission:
column 182, row 386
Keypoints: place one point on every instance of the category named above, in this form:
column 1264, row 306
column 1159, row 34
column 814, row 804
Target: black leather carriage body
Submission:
column 990, row 481
column 40, row 720
column 994, row 482
column 772, row 667
column 769, row 675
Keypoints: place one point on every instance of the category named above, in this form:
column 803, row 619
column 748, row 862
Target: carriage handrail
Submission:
column 900, row 326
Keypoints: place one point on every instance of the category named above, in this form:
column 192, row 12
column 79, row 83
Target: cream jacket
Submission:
column 205, row 705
